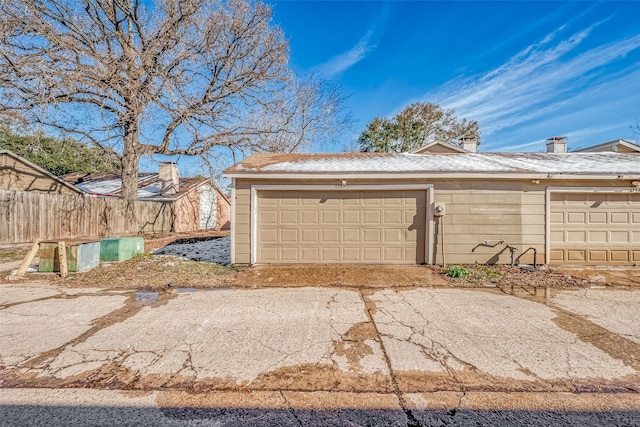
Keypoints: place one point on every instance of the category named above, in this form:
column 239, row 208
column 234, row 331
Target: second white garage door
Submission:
column 374, row 227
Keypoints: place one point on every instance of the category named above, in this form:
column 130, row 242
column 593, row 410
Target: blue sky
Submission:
column 524, row 70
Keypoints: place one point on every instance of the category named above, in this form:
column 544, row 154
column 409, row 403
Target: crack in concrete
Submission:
column 451, row 413
column 61, row 295
column 411, row 419
column 291, row 410
column 130, row 309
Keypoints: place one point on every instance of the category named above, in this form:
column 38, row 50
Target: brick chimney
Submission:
column 169, row 182
column 469, row 143
column 557, row 144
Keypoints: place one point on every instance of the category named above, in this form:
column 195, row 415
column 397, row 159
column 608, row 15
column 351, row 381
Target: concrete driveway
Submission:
column 405, row 352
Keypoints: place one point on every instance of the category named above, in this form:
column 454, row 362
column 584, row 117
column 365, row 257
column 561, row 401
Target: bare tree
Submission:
column 636, row 131
column 172, row 77
column 308, row 111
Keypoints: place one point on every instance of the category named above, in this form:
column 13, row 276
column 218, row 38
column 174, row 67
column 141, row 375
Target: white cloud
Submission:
column 340, row 63
column 367, row 44
column 537, row 81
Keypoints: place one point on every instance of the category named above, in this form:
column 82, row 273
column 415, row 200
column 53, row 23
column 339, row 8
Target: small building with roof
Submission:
column 19, row 174
column 197, row 203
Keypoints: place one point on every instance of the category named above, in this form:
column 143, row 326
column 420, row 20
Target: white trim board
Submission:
column 232, row 227
column 547, row 208
column 433, row 175
column 320, row 187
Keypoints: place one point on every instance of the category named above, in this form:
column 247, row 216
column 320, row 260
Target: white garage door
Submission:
column 371, row 227
column 595, row 228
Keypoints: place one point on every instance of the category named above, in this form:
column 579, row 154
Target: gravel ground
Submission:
column 208, row 249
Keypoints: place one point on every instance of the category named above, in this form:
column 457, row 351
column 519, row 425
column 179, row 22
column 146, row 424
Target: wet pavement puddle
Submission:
column 146, row 296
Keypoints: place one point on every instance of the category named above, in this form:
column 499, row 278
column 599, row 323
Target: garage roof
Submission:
column 475, row 163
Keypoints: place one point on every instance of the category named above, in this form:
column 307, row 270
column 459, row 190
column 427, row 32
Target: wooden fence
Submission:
column 27, row 216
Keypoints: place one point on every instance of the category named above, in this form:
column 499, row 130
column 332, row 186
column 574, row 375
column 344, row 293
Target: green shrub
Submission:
column 456, row 271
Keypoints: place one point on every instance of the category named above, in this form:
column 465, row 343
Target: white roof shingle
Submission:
column 494, row 163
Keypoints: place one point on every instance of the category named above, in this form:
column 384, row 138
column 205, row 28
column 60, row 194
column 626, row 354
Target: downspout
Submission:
column 439, row 212
column 444, row 262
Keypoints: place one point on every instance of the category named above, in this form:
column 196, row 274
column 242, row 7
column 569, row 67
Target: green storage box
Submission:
column 81, row 256
column 121, row 248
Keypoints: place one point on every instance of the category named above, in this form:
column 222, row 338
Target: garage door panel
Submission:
column 270, row 218
column 330, row 235
column 620, row 237
column 350, row 217
column 269, row 254
column 392, row 235
column 374, row 254
column 372, row 217
column 288, row 235
column 310, row 235
column 330, row 217
column 310, row 217
column 573, row 236
column 350, row 235
column 342, row 226
column 350, row 254
column 372, row 235
column 598, row 237
column 330, row 254
column 309, row 254
column 289, row 217
column 610, row 232
column 598, row 256
column 557, row 218
column 619, row 218
column 574, row 255
column 269, row 235
column 576, row 218
column 289, row 253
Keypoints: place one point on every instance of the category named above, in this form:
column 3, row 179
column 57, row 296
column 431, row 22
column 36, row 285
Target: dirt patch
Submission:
column 613, row 344
column 112, row 375
column 352, row 344
column 152, row 272
column 612, row 276
column 472, row 380
column 506, row 276
column 166, row 271
column 342, row 275
column 9, row 254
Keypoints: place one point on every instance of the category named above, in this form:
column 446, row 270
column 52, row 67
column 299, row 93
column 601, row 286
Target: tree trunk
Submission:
column 130, row 164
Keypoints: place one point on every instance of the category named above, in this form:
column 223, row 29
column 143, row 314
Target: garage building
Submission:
column 438, row 205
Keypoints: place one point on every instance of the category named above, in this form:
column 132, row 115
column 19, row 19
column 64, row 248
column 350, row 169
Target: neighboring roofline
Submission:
column 42, row 170
column 425, row 175
column 161, row 198
column 622, row 142
column 140, row 181
column 444, row 144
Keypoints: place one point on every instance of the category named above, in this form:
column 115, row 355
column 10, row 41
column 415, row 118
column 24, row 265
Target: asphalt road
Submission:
column 318, row 356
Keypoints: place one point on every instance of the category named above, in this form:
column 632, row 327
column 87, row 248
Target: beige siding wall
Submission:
column 18, row 176
column 480, row 214
column 476, row 212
